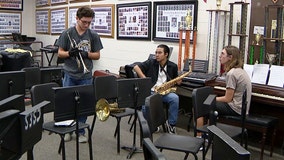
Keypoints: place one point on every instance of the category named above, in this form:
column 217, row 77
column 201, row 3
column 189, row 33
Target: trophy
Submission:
column 218, row 3
column 188, row 19
column 271, row 57
column 257, row 38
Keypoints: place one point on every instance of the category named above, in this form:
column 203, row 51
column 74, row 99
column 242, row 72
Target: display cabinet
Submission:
column 273, row 35
column 238, row 34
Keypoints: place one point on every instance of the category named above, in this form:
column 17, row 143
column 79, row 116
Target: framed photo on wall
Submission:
column 169, row 17
column 103, row 22
column 58, row 20
column 10, row 22
column 72, row 16
column 56, row 2
column 42, row 21
column 42, row 3
column 134, row 21
column 11, row 5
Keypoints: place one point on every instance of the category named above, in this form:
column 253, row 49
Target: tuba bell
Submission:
column 103, row 109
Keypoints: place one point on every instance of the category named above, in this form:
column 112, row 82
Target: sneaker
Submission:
column 82, row 138
column 171, row 129
column 157, row 130
column 67, row 137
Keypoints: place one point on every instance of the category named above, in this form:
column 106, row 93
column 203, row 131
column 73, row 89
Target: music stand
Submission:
column 132, row 93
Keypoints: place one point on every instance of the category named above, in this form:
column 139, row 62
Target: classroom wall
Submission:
column 118, row 53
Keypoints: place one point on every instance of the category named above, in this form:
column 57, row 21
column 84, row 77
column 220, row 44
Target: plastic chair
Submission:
column 199, row 97
column 150, row 151
column 154, row 118
column 106, row 87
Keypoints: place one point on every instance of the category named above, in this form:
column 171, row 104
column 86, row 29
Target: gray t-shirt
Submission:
column 238, row 79
column 88, row 41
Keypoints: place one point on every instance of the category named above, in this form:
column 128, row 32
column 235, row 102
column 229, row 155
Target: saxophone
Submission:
column 168, row 86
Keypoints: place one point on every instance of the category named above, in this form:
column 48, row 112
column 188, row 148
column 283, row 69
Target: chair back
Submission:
column 243, row 114
column 150, row 151
column 199, row 95
column 105, row 87
column 41, row 92
column 154, row 111
column 144, row 127
column 32, row 75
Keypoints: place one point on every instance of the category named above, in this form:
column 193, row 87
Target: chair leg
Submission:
column 189, row 122
column 132, row 125
column 130, row 117
column 186, row 155
column 272, row 141
column 62, row 145
column 90, row 144
column 262, row 144
column 117, row 131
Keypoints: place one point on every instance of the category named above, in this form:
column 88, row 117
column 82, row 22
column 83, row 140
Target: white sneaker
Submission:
column 67, row 137
column 82, row 138
column 171, row 129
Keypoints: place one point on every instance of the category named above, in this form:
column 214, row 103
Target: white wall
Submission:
column 118, row 53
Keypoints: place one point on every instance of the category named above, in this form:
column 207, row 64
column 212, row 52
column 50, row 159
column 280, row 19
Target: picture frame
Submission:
column 72, row 16
column 134, row 21
column 103, row 22
column 58, row 20
column 11, row 22
column 42, row 21
column 42, row 3
column 11, row 5
column 57, row 2
column 169, row 19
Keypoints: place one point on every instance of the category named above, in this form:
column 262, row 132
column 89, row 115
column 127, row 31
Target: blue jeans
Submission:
column 69, row 81
column 172, row 100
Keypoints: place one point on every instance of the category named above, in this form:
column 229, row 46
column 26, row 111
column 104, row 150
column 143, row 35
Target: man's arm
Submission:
column 62, row 53
column 94, row 55
column 139, row 72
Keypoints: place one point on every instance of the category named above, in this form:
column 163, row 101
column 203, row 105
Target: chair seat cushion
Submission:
column 260, row 120
column 179, row 143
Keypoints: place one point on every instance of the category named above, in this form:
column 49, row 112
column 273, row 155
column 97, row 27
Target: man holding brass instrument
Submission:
column 161, row 71
column 78, row 46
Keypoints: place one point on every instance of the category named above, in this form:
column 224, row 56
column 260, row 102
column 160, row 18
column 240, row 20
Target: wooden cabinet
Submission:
column 273, row 33
column 239, row 33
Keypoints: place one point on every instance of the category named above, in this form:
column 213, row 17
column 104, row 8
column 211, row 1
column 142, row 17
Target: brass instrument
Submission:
column 74, row 45
column 103, row 109
column 168, row 86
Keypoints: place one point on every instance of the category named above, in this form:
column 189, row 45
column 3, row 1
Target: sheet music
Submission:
column 249, row 69
column 260, row 72
column 276, row 77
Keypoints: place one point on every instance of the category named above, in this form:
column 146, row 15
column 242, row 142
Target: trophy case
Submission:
column 273, row 35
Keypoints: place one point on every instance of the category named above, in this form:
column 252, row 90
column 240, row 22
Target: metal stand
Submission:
column 134, row 149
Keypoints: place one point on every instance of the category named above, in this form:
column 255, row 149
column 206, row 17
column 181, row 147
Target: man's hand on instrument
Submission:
column 84, row 54
column 73, row 52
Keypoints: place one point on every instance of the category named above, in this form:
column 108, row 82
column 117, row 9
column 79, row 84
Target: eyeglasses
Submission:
column 86, row 22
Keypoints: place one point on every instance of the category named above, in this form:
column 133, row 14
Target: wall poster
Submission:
column 103, row 22
column 72, row 16
column 10, row 22
column 134, row 21
column 169, row 17
column 41, row 3
column 58, row 20
column 42, row 21
column 11, row 4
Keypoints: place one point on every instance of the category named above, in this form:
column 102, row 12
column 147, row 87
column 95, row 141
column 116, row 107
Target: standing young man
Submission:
column 161, row 70
column 72, row 42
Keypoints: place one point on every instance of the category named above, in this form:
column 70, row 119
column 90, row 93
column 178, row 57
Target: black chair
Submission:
column 32, row 75
column 203, row 102
column 46, row 92
column 224, row 147
column 153, row 117
column 106, row 87
column 150, row 151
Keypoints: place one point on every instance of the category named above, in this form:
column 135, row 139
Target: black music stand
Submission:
column 132, row 93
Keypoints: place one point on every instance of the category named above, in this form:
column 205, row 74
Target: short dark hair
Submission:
column 165, row 47
column 85, row 11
